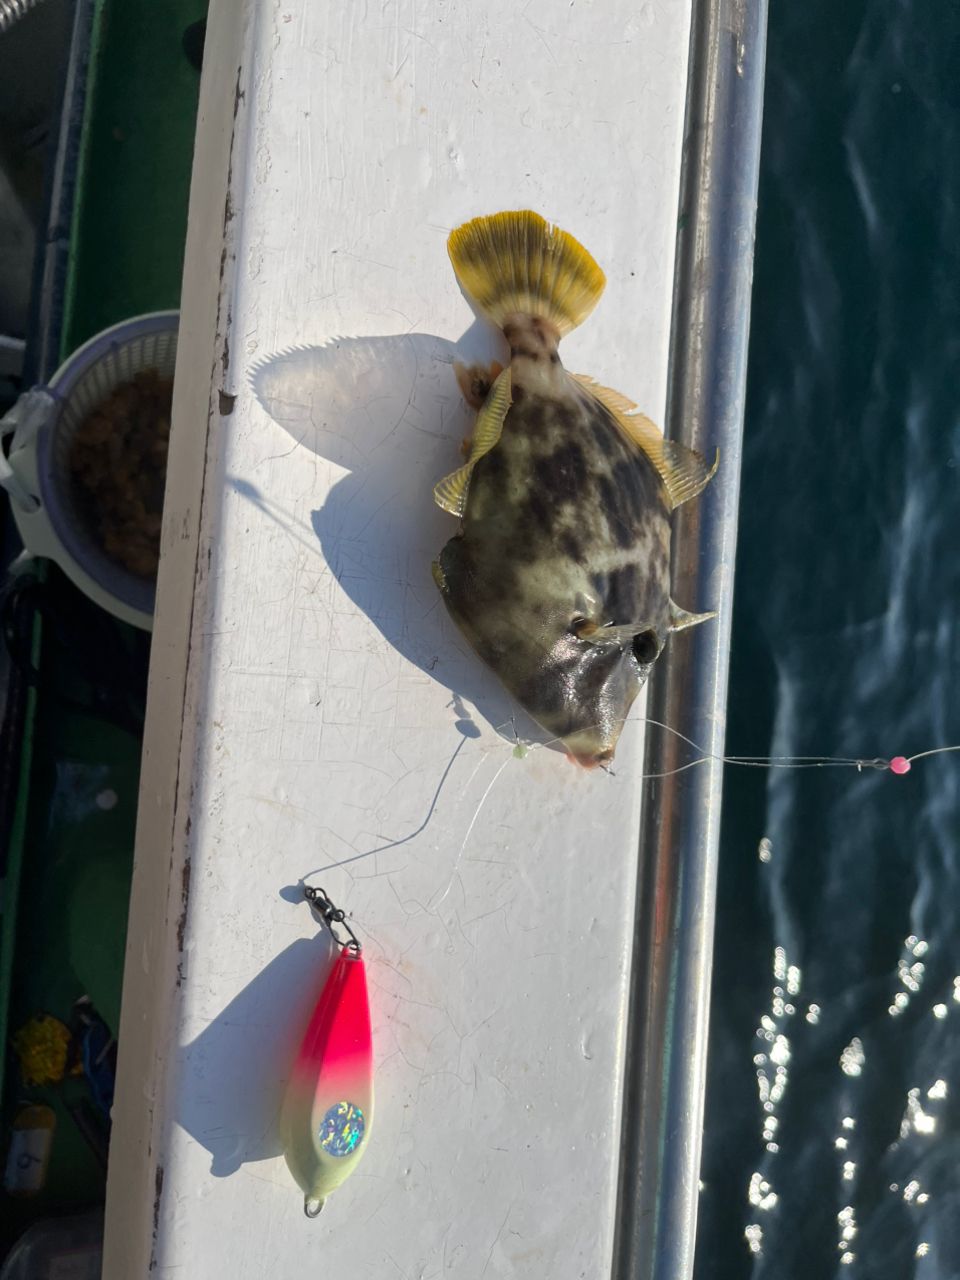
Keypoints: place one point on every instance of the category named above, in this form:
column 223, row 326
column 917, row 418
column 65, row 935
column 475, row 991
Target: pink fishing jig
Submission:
column 327, row 1111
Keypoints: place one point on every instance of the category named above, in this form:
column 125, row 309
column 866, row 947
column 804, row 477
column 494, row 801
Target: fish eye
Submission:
column 646, row 647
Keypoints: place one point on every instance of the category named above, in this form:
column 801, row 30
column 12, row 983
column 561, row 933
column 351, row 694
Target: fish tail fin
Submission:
column 518, row 264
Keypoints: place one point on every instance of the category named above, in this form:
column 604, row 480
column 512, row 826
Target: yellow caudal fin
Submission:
column 518, row 264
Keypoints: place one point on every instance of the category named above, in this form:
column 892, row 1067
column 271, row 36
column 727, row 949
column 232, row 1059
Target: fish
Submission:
column 559, row 574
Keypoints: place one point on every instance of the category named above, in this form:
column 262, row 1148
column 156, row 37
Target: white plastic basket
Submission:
column 37, row 473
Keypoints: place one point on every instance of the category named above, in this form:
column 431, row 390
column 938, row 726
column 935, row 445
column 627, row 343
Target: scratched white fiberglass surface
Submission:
column 347, row 732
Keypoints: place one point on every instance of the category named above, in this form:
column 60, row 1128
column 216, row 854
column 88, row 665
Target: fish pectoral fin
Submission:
column 680, row 619
column 683, row 471
column 451, row 493
column 475, row 380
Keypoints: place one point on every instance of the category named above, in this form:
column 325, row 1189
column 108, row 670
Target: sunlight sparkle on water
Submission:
column 911, row 975
column 760, row 1193
column 846, row 1220
column 900, row 1002
column 853, row 1058
column 771, row 1065
column 914, row 1117
column 780, row 1053
column 937, row 1090
column 754, row 1236
column 771, row 1094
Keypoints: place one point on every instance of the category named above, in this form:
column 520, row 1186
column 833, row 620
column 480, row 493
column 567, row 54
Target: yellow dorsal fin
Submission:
column 683, row 471
column 518, row 264
column 451, row 492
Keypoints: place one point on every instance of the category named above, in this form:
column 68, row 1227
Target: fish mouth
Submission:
column 589, row 749
column 591, row 760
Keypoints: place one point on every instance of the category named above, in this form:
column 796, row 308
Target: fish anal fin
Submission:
column 451, row 492
column 683, row 472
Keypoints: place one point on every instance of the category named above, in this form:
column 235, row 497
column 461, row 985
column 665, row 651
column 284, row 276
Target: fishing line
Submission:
column 898, row 765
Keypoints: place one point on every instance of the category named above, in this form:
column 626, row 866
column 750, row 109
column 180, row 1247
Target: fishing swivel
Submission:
column 332, row 916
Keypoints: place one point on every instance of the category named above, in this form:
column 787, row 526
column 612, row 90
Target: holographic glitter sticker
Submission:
column 341, row 1129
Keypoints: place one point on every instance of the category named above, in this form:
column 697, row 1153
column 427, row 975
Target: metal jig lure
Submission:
column 327, row 1111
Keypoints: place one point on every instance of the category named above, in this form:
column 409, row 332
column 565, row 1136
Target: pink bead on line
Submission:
column 899, row 764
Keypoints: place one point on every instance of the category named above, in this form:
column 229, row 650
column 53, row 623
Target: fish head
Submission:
column 581, row 690
column 543, row 634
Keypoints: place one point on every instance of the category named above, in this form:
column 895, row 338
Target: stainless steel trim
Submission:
column 43, row 350
column 670, row 984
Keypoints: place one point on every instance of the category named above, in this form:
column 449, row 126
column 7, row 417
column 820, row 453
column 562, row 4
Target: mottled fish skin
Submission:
column 565, row 522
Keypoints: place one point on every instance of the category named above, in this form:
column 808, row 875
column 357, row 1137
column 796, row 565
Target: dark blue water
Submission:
column 832, row 1145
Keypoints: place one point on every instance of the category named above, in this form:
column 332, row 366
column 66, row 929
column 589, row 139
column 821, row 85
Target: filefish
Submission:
column 559, row 575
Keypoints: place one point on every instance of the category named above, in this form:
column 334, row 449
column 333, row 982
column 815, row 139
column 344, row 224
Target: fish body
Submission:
column 559, row 576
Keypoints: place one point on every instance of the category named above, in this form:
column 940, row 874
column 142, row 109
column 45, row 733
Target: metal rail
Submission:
column 669, row 1003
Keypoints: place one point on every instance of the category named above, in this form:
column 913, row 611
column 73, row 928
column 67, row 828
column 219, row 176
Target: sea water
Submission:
column 832, row 1141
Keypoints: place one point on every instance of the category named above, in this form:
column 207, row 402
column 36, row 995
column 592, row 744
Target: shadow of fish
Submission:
column 559, row 576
